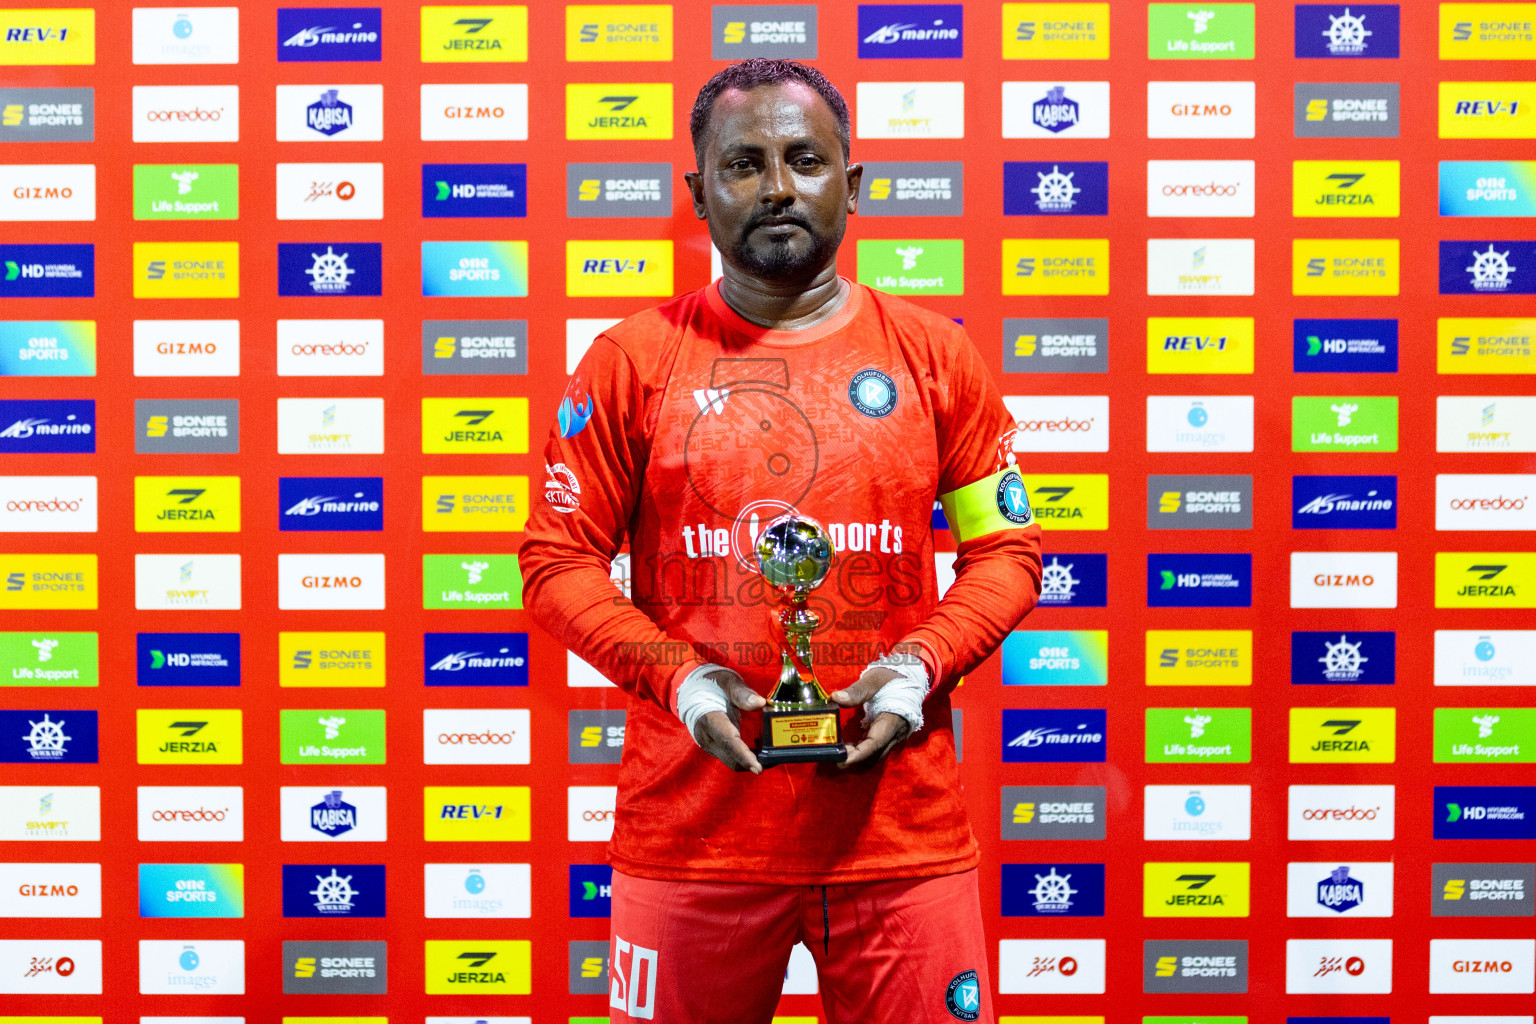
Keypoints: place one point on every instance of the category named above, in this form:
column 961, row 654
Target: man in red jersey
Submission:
column 685, row 429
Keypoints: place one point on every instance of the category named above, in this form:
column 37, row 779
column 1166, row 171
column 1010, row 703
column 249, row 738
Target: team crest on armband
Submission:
column 1013, row 500
column 872, row 392
column 963, row 997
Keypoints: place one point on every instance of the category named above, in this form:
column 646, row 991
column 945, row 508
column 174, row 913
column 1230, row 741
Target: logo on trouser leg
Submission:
column 963, row 997
column 632, row 980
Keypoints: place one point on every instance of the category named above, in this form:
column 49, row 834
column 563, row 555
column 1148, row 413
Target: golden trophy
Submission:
column 800, row 723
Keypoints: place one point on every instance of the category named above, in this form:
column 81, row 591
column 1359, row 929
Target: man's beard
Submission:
column 777, row 261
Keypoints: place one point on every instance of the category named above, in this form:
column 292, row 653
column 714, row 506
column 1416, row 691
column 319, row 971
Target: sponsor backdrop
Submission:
column 289, row 299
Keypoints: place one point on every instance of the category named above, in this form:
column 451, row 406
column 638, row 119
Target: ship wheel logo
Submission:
column 329, row 272
column 1346, row 33
column 47, row 738
column 1343, row 659
column 1055, row 190
column 1052, row 892
column 333, row 892
column 1057, row 582
column 1490, row 270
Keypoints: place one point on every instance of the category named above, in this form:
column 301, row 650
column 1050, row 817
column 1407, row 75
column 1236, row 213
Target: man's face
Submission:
column 773, row 183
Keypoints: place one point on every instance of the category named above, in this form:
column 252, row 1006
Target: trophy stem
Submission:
column 797, row 686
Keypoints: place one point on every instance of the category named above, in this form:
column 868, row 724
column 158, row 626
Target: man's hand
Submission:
column 886, row 731
column 717, row 733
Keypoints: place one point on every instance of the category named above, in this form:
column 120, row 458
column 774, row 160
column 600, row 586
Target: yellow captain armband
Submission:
column 993, row 503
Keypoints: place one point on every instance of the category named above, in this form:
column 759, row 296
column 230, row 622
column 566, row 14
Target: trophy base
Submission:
column 796, row 734
column 770, row 756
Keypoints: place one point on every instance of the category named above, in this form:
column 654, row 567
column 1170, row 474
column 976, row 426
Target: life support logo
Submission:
column 1013, row 500
column 872, row 392
column 963, row 996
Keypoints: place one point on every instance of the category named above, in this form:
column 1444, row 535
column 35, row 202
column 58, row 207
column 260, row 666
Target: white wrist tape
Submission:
column 698, row 696
column 903, row 695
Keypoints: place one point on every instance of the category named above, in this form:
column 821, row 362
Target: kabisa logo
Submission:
column 763, row 30
column 48, row 271
column 1349, row 30
column 1351, row 658
column 475, row 659
column 328, row 115
column 911, row 30
column 1074, row 581
column 333, row 890
column 47, row 426
column 474, row 34
column 1200, row 581
column 329, row 33
column 1485, row 812
column 47, row 115
column 330, row 503
column 1487, row 268
column 1053, row 890
column 1339, row 892
column 1058, row 188
column 1055, row 111
column 1344, row 346
column 591, row 890
column 330, row 268
column 188, row 659
column 474, row 190
column 1344, row 502
column 48, row 737
column 333, row 816
column 1050, row 735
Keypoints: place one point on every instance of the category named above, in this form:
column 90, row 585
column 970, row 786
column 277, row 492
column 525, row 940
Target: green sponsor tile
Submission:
column 1199, row 735
column 913, row 266
column 1202, row 1019
column 332, row 737
column 471, row 581
column 48, row 659
column 1344, row 423
column 186, row 192
column 1200, row 31
column 1485, row 735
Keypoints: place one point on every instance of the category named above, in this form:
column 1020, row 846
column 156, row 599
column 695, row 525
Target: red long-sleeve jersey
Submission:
column 684, row 429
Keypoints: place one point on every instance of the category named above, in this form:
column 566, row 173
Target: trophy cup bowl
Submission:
column 800, row 724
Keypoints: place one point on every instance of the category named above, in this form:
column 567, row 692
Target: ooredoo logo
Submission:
column 590, row 811
column 191, row 814
column 186, row 113
column 1057, row 423
column 475, row 736
column 1484, row 502
column 1342, row 812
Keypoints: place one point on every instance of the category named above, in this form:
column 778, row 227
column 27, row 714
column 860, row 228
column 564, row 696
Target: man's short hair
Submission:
column 753, row 74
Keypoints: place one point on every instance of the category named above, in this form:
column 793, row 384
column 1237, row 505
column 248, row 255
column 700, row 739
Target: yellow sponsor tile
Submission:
column 1185, row 889
column 479, row 34
column 189, row 736
column 1487, row 110
column 186, row 270
column 1070, row 501
column 618, row 111
column 1485, row 579
column 1494, row 345
column 1200, row 344
column 1345, row 266
column 1199, row 657
column 479, row 967
column 474, row 504
column 1488, row 31
column 1055, row 266
column 47, row 35
column 309, row 659
column 1346, row 188
column 618, row 32
column 474, row 425
column 595, row 268
column 1055, row 31
column 1343, row 735
column 476, row 814
column 186, row 504
column 48, row 581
